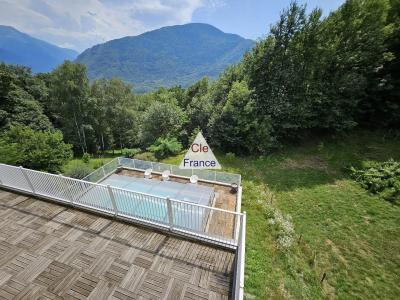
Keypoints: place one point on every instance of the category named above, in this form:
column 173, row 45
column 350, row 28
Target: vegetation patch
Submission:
column 78, row 170
column 314, row 162
column 283, row 227
column 40, row 150
column 382, row 178
column 146, row 156
column 164, row 147
column 130, row 153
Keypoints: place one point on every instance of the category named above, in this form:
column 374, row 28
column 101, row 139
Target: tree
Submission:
column 311, row 75
column 40, row 150
column 69, row 96
column 280, row 71
column 112, row 113
column 197, row 90
column 125, row 128
column 353, row 49
column 199, row 112
column 162, row 120
column 19, row 92
column 382, row 103
column 236, row 128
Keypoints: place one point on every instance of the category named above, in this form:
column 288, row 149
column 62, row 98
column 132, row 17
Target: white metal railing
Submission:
column 103, row 171
column 201, row 222
column 207, row 175
column 238, row 284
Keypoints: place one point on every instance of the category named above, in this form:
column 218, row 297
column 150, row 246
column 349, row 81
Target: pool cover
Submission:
column 188, row 192
column 153, row 208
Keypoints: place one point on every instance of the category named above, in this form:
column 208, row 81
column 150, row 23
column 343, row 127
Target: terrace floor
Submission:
column 50, row 251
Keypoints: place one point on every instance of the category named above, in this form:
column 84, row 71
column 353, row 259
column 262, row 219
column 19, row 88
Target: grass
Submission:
column 94, row 162
column 341, row 230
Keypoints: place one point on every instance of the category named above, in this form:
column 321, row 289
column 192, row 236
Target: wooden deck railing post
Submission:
column 27, row 179
column 114, row 204
column 170, row 214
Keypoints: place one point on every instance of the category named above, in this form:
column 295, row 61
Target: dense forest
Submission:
column 310, row 75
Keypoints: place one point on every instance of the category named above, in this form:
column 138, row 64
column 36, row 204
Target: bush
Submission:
column 98, row 163
column 130, row 153
column 381, row 178
column 86, row 158
column 146, row 156
column 78, row 170
column 39, row 150
column 165, row 147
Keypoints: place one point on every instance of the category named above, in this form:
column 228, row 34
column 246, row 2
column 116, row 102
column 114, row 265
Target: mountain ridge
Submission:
column 20, row 48
column 171, row 55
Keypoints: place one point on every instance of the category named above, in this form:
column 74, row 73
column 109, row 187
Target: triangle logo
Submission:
column 199, row 155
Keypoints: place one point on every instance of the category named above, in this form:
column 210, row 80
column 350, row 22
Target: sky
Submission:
column 80, row 24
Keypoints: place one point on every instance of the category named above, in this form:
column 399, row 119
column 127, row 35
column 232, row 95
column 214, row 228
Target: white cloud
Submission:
column 216, row 3
column 81, row 24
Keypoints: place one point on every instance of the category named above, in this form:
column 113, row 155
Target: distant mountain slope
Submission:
column 19, row 48
column 167, row 56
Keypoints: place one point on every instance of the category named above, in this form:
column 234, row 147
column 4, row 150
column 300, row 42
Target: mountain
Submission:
column 21, row 49
column 173, row 55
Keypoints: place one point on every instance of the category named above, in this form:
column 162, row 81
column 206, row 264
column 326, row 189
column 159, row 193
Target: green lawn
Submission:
column 341, row 229
column 94, row 162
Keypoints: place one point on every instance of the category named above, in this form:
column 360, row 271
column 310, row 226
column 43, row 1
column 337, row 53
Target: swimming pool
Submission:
column 153, row 207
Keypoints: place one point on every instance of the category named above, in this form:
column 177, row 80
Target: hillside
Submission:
column 21, row 49
column 340, row 229
column 175, row 55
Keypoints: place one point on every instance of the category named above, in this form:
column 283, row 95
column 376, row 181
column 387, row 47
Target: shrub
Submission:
column 86, row 158
column 130, row 153
column 381, row 178
column 146, row 156
column 78, row 170
column 98, row 163
column 39, row 150
column 164, row 147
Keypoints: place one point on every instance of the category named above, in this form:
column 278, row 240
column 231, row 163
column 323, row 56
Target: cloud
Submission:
column 82, row 24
